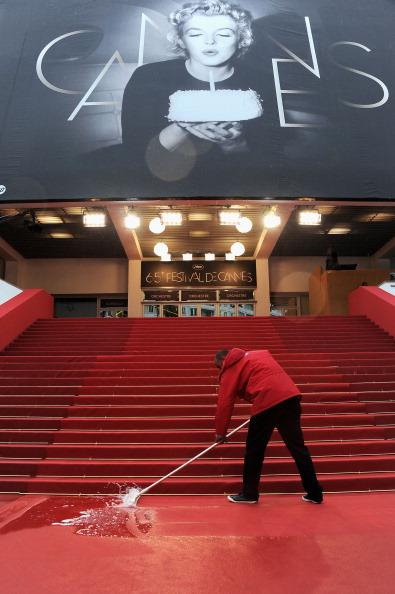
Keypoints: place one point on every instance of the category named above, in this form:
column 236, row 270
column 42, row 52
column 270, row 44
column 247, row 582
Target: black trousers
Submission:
column 286, row 418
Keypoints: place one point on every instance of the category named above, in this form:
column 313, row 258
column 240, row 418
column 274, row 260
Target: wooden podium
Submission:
column 329, row 289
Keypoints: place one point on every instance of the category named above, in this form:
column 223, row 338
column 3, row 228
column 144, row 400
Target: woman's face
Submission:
column 210, row 40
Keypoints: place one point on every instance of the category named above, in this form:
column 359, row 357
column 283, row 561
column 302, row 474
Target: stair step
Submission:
column 379, row 481
column 299, row 358
column 212, row 467
column 381, row 397
column 176, row 436
column 116, row 370
column 174, row 410
column 187, row 451
column 377, row 380
column 170, row 423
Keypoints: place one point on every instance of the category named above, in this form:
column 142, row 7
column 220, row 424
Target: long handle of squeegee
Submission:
column 213, row 445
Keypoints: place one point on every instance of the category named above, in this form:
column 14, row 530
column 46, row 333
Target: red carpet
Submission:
column 87, row 405
column 179, row 545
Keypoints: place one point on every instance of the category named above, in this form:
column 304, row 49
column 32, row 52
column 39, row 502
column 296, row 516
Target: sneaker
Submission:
column 313, row 498
column 241, row 499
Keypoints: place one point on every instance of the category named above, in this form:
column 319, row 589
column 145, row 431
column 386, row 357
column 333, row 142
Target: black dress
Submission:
column 200, row 167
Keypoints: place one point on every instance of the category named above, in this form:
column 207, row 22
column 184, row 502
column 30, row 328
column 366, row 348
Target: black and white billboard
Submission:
column 157, row 98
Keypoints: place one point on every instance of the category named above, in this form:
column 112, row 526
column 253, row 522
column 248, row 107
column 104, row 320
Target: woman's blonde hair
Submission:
column 242, row 18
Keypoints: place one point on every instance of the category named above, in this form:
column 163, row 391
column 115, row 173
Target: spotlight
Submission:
column 229, row 217
column 171, row 217
column 309, row 217
column 166, row 258
column 160, row 248
column 187, row 256
column 237, row 248
column 271, row 220
column 339, row 231
column 132, row 221
column 244, row 225
column 208, row 256
column 156, row 225
column 230, row 256
column 94, row 218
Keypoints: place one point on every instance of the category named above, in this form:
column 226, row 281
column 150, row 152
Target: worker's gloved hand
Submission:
column 220, row 438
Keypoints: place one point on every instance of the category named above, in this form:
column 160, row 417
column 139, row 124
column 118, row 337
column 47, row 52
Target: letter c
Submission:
column 41, row 58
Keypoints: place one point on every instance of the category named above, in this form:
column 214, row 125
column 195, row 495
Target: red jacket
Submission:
column 253, row 376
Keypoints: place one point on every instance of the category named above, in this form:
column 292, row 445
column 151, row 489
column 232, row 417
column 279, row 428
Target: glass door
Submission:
column 245, row 309
column 189, row 311
column 151, row 311
column 227, row 310
column 170, row 310
column 208, row 310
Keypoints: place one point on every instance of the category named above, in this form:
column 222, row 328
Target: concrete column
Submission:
column 135, row 294
column 262, row 292
column 11, row 272
column 15, row 274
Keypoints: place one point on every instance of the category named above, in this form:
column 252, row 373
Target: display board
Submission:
column 117, row 99
column 241, row 273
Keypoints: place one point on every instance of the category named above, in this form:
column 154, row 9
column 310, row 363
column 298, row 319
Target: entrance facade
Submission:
column 198, row 289
column 198, row 310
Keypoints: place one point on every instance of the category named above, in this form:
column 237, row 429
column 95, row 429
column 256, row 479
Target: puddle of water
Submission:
column 90, row 516
column 119, row 517
column 111, row 521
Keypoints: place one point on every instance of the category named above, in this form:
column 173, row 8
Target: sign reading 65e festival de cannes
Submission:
column 131, row 99
column 198, row 274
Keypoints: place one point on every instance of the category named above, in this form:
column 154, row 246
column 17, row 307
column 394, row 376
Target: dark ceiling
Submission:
column 349, row 230
column 32, row 239
column 355, row 231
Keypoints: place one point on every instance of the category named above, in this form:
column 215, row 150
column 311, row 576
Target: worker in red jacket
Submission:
column 255, row 376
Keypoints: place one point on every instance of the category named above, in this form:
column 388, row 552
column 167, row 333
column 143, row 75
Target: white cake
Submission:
column 214, row 106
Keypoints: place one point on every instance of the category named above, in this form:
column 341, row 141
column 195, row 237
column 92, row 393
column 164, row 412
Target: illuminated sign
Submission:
column 240, row 273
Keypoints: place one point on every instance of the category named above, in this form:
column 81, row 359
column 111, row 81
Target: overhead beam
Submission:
column 385, row 249
column 269, row 237
column 127, row 237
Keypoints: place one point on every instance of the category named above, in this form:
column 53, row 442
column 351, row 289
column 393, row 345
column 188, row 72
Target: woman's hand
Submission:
column 227, row 135
column 218, row 132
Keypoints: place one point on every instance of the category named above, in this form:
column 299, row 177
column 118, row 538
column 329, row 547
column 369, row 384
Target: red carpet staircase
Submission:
column 89, row 405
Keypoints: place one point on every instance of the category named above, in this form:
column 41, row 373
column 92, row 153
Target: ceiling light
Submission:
column 166, row 258
column 156, row 225
column 61, row 235
column 94, row 218
column 309, row 217
column 237, row 248
column 171, row 217
column 73, row 210
column 244, row 225
column 209, row 256
column 160, row 248
column 229, row 217
column 339, row 231
column 199, row 233
column 187, row 256
column 230, row 256
column 132, row 221
column 200, row 216
column 271, row 220
column 47, row 219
